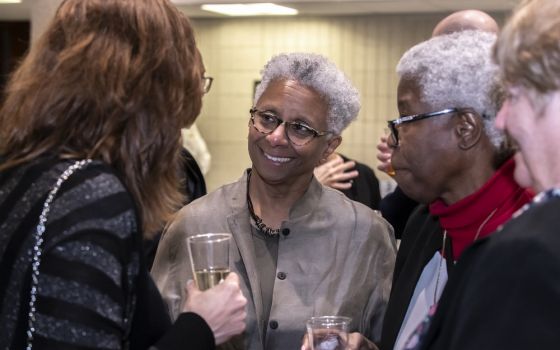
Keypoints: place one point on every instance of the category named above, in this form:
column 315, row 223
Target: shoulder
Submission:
column 524, row 253
column 517, row 269
column 87, row 252
column 421, row 237
column 93, row 201
column 97, row 184
column 221, row 201
column 531, row 237
column 365, row 221
column 213, row 208
column 420, row 223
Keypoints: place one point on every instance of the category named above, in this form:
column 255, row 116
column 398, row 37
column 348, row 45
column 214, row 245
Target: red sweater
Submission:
column 485, row 210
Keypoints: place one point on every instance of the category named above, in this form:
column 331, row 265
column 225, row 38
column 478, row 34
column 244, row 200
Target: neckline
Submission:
column 261, row 226
column 481, row 213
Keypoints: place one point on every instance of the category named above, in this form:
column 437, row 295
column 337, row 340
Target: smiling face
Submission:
column 426, row 161
column 534, row 127
column 275, row 159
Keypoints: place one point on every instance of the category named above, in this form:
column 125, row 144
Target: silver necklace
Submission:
column 440, row 265
column 38, row 246
column 443, row 248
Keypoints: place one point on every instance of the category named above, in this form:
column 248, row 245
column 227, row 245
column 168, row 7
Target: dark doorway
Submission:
column 14, row 42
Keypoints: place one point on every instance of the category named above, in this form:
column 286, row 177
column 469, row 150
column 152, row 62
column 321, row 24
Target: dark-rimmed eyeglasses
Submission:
column 206, row 84
column 393, row 124
column 298, row 133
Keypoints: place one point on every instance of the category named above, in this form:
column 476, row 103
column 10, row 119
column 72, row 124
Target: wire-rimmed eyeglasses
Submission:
column 394, row 136
column 206, row 84
column 298, row 133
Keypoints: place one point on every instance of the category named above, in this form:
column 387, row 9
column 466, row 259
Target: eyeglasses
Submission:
column 298, row 133
column 206, row 84
column 394, row 137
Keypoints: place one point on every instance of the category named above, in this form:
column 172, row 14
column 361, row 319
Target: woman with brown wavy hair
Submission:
column 89, row 157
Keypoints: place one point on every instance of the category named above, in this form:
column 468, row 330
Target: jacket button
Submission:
column 281, row 275
column 286, row 231
column 273, row 324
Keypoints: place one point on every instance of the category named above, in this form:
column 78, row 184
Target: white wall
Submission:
column 366, row 48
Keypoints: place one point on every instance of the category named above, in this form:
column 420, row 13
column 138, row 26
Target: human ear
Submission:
column 469, row 130
column 332, row 145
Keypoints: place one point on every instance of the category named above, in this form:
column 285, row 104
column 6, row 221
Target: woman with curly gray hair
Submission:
column 505, row 293
column 449, row 156
column 301, row 249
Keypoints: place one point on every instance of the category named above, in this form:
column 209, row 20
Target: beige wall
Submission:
column 42, row 12
column 366, row 48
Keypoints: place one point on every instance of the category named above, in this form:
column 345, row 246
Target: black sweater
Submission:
column 505, row 292
column 94, row 289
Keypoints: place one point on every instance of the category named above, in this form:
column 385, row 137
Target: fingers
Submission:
column 232, row 281
column 334, row 161
column 384, row 167
column 344, row 181
column 384, row 156
column 356, row 341
column 305, row 343
column 344, row 166
column 232, row 277
column 191, row 287
column 336, row 173
column 341, row 172
column 192, row 291
column 385, row 151
column 383, row 146
column 347, row 176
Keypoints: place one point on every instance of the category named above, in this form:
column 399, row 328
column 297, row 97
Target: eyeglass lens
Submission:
column 207, row 84
column 297, row 133
column 394, row 134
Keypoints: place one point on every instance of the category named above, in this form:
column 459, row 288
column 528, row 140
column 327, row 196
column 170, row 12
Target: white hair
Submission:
column 457, row 71
column 320, row 74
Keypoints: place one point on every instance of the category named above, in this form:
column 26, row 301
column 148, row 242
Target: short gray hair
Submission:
column 457, row 71
column 320, row 74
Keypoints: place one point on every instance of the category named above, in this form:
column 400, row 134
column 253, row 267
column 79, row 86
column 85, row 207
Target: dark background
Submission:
column 14, row 42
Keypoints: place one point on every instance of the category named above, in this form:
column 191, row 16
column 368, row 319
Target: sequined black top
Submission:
column 94, row 291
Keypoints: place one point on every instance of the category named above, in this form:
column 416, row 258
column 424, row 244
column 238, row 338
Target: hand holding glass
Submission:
column 209, row 255
column 328, row 332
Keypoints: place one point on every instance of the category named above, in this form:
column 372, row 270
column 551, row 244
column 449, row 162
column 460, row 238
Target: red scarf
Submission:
column 485, row 210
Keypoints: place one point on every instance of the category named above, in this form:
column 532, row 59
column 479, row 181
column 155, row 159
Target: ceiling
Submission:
column 313, row 7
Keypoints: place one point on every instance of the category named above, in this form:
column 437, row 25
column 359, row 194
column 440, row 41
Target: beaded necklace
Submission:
column 272, row 232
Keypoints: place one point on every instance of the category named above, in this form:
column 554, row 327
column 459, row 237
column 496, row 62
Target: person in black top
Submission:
column 356, row 180
column 90, row 157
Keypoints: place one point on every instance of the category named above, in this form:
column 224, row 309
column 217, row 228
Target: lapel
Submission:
column 240, row 227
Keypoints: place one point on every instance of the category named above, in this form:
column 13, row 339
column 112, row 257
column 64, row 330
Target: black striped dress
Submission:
column 94, row 291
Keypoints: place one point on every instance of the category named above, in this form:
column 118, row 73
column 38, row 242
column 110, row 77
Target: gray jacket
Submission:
column 337, row 259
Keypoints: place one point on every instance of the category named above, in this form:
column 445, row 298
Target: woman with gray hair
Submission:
column 506, row 292
column 301, row 249
column 449, row 156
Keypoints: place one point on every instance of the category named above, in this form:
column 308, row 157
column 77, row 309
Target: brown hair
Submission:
column 113, row 80
column 528, row 48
